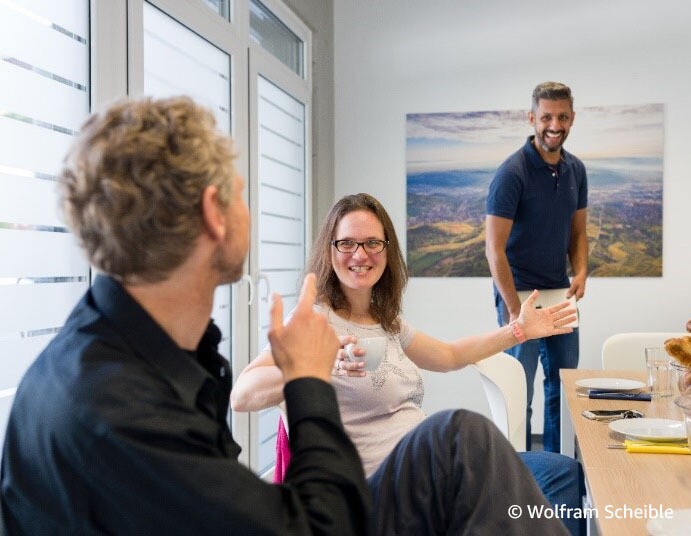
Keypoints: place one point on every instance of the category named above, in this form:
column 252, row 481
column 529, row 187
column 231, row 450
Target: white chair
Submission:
column 503, row 379
column 626, row 351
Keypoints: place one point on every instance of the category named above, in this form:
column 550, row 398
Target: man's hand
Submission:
column 306, row 344
column 577, row 287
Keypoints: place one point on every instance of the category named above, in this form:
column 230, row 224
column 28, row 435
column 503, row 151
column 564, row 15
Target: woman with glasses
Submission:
column 361, row 276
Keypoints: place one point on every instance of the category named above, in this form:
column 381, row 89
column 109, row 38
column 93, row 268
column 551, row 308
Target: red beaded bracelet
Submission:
column 517, row 332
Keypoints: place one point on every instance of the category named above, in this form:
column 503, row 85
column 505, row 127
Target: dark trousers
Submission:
column 456, row 473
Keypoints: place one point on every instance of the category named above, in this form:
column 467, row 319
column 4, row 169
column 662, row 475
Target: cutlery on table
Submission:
column 652, row 447
column 609, row 415
column 616, row 395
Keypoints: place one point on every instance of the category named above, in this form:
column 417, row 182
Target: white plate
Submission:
column 611, row 384
column 678, row 525
column 650, row 429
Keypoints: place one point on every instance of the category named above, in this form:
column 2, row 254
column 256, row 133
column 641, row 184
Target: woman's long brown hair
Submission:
column 387, row 293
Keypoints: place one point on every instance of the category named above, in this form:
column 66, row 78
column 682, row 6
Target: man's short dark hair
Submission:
column 551, row 91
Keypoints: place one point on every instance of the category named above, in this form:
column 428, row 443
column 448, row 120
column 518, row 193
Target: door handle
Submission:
column 247, row 278
column 265, row 278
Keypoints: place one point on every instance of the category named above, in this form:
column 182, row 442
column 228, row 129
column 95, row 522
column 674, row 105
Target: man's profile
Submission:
column 119, row 426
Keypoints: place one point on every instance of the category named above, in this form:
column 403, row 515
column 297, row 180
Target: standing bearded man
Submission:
column 536, row 219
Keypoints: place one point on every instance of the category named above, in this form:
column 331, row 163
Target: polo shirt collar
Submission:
column 149, row 340
column 536, row 160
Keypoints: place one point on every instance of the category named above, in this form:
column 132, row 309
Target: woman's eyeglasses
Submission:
column 350, row 246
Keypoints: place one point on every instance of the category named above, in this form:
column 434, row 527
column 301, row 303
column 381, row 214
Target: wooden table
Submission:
column 618, row 482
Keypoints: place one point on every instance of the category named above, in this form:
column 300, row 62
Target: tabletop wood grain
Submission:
column 619, row 483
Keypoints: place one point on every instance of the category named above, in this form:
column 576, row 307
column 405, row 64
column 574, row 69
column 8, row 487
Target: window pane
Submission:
column 177, row 61
column 43, row 206
column 275, row 37
column 44, row 68
column 222, row 7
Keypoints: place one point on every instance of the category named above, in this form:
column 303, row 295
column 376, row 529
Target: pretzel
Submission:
column 680, row 349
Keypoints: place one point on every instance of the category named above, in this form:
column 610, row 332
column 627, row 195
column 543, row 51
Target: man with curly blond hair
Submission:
column 119, row 426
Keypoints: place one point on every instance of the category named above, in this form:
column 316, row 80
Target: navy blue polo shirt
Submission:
column 541, row 200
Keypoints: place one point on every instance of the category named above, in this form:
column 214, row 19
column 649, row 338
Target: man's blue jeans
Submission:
column 559, row 351
column 455, row 473
column 561, row 480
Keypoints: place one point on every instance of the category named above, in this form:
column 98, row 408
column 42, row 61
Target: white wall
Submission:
column 318, row 16
column 394, row 57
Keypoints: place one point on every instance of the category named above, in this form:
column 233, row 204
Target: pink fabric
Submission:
column 282, row 452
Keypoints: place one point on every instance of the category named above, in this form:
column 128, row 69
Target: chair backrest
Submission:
column 503, row 379
column 626, row 351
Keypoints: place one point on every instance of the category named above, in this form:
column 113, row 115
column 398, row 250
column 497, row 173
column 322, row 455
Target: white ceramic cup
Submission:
column 375, row 348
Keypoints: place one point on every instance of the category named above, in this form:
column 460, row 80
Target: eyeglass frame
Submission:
column 384, row 243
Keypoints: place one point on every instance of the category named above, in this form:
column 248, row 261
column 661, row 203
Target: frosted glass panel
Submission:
column 29, row 253
column 285, row 112
column 276, row 174
column 281, row 256
column 284, row 124
column 68, row 15
column 268, row 428
column 5, row 406
column 275, row 37
column 19, row 143
column 289, row 303
column 40, row 200
column 38, row 306
column 281, row 225
column 286, row 283
column 44, row 68
column 275, row 200
column 278, row 229
column 178, row 61
column 55, row 103
column 57, row 51
column 283, row 150
column 222, row 316
column 23, row 352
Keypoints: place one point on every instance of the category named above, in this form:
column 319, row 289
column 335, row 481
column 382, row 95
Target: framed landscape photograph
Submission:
column 452, row 157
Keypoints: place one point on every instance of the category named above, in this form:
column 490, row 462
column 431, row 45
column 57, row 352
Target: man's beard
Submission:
column 541, row 139
column 229, row 270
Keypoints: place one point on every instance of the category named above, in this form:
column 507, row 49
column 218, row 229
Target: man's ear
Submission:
column 531, row 118
column 213, row 216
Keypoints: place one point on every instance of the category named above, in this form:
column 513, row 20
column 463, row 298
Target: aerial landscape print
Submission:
column 452, row 157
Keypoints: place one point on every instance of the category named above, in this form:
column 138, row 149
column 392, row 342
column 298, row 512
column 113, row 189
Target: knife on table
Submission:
column 617, row 395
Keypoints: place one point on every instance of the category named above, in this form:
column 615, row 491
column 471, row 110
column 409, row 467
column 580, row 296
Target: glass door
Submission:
column 177, row 61
column 279, row 184
column 281, row 213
